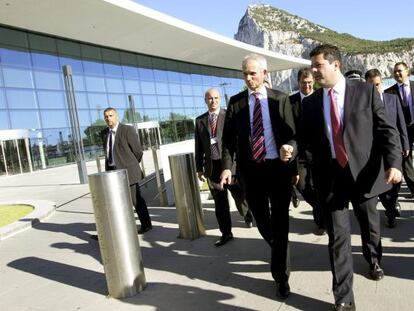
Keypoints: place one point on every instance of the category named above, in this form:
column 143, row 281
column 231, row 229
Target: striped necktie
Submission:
column 215, row 154
column 257, row 137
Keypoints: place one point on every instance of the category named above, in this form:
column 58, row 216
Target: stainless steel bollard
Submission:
column 117, row 232
column 187, row 196
column 98, row 164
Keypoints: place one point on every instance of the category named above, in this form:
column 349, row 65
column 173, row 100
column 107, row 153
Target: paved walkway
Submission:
column 56, row 266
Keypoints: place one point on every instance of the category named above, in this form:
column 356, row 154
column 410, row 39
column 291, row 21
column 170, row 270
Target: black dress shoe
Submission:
column 283, row 290
column 344, row 306
column 295, row 202
column 248, row 223
column 144, row 229
column 320, row 231
column 397, row 210
column 224, row 239
column 376, row 272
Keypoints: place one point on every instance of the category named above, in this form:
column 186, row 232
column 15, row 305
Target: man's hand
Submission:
column 286, row 152
column 406, row 153
column 201, row 177
column 225, row 178
column 393, row 175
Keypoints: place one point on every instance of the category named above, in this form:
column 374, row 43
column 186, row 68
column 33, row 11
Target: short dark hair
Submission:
column 372, row 73
column 330, row 52
column 401, row 63
column 110, row 109
column 305, row 72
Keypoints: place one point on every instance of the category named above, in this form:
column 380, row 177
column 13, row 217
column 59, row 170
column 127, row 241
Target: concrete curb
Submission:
column 42, row 210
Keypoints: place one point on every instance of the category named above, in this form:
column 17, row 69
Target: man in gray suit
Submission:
column 208, row 133
column 123, row 151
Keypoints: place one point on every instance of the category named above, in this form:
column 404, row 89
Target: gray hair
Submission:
column 258, row 58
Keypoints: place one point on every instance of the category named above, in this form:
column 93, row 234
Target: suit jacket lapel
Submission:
column 349, row 95
column 204, row 122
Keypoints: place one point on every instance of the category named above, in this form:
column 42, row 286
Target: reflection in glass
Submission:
column 117, row 101
column 2, row 99
column 95, row 84
column 163, row 102
column 48, row 80
column 45, row 61
column 51, row 99
column 114, row 85
column 21, row 99
column 97, row 100
column 75, row 64
column 4, row 120
column 54, row 118
column 131, row 86
column 15, row 57
column 147, row 87
column 18, row 78
column 162, row 88
column 91, row 67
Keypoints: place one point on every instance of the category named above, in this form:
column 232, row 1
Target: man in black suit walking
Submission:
column 355, row 155
column 123, row 151
column 305, row 184
column 395, row 114
column 208, row 134
column 259, row 130
column 404, row 89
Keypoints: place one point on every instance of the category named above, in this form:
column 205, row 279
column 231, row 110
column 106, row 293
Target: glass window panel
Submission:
column 176, row 101
column 160, row 75
column 187, row 89
column 164, row 102
column 196, row 79
column 151, row 114
column 185, row 78
column 42, row 43
column 54, row 118
column 117, row 101
column 149, row 101
column 188, row 101
column 175, row 89
column 68, row 47
column 13, row 37
column 75, row 64
column 110, row 56
column 179, row 113
column 146, row 74
column 1, row 78
column 78, row 83
column 95, row 84
column 207, row 80
column 129, row 59
column 173, row 76
column 45, row 61
column 145, row 61
column 84, row 117
column 162, row 88
column 27, row 119
column 48, row 80
column 81, row 100
column 147, row 87
column 4, row 120
column 139, row 104
column 15, row 57
column 130, row 72
column 92, row 67
column 198, row 90
column 51, row 99
column 113, row 70
column 21, row 99
column 199, row 102
column 165, row 114
column 2, row 100
column 132, row 86
column 123, row 115
column 114, row 85
column 91, row 52
column 97, row 101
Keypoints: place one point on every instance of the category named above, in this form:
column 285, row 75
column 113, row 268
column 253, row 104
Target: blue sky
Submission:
column 366, row 19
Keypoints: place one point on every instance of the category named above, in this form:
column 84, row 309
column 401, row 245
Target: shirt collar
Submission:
column 115, row 128
column 405, row 83
column 214, row 112
column 262, row 91
column 339, row 87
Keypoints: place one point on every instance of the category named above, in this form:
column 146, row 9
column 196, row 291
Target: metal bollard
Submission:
column 117, row 232
column 98, row 164
column 187, row 196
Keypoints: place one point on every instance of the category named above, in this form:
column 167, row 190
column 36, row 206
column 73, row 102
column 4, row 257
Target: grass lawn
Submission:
column 12, row 213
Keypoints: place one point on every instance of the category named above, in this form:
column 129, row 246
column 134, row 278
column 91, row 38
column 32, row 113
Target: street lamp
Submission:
column 223, row 85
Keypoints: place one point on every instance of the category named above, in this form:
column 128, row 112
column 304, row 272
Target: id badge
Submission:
column 213, row 140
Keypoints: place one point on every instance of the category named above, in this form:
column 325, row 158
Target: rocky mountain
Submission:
column 279, row 31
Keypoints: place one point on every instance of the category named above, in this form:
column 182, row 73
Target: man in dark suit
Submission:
column 123, row 151
column 208, row 134
column 305, row 183
column 355, row 155
column 395, row 115
column 259, row 130
column 404, row 89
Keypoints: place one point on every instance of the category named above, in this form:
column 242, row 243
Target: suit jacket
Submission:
column 396, row 117
column 394, row 89
column 202, row 141
column 296, row 102
column 237, row 132
column 371, row 141
column 127, row 151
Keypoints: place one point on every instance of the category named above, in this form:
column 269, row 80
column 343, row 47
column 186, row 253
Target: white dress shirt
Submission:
column 113, row 133
column 339, row 95
column 409, row 97
column 270, row 143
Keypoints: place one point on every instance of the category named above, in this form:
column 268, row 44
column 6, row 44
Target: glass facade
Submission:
column 32, row 92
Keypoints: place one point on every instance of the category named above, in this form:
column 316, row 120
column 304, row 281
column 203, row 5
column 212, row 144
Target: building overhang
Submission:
column 129, row 26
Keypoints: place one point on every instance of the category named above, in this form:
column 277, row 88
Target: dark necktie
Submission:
column 405, row 107
column 257, row 137
column 339, row 147
column 215, row 155
column 110, row 148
